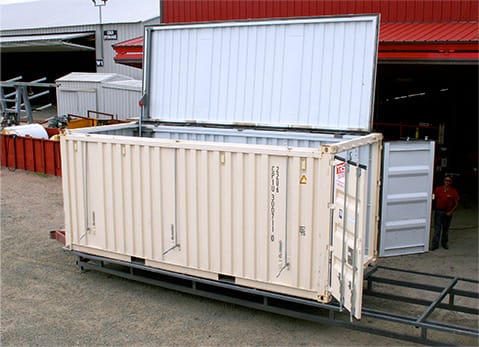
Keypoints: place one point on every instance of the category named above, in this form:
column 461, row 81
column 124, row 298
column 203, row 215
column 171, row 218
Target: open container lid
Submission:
column 312, row 73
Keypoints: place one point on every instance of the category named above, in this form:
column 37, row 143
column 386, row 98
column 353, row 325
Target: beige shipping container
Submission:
column 293, row 212
column 260, row 215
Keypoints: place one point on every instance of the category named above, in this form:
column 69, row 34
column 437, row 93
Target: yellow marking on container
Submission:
column 303, row 180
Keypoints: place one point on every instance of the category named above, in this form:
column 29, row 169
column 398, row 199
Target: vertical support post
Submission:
column 3, row 102
column 101, row 35
column 451, row 299
column 28, row 106
column 18, row 103
column 100, row 4
column 424, row 333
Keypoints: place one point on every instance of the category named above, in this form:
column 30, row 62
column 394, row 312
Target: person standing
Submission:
column 446, row 202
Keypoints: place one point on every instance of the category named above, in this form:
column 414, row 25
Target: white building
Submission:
column 51, row 38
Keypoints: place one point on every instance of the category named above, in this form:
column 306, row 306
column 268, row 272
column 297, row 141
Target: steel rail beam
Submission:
column 27, row 84
column 421, row 286
column 423, row 302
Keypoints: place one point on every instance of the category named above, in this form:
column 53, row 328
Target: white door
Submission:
column 348, row 235
column 406, row 197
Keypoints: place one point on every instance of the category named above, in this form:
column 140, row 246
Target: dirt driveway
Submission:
column 47, row 301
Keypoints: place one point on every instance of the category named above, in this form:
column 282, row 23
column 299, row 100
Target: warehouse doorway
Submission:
column 52, row 65
column 435, row 101
column 47, row 56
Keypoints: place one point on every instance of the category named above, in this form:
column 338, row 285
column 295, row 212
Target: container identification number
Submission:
column 274, row 192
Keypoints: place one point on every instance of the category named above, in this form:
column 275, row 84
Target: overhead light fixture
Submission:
column 100, row 4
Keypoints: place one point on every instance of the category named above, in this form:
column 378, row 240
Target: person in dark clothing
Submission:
column 446, row 202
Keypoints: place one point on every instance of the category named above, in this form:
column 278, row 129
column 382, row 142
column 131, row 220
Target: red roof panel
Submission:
column 429, row 32
column 136, row 42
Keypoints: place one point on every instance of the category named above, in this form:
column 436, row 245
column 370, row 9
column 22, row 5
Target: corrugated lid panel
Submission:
column 314, row 73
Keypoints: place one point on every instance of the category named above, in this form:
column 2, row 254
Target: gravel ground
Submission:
column 47, row 301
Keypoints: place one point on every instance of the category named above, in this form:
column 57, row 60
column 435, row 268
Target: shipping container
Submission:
column 79, row 92
column 121, row 98
column 261, row 215
column 253, row 163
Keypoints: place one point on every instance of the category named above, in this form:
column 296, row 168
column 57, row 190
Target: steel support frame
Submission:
column 293, row 306
column 449, row 290
column 21, row 93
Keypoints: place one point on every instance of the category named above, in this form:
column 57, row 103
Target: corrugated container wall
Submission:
column 178, row 11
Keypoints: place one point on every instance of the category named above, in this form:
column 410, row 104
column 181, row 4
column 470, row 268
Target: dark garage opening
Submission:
column 52, row 65
column 439, row 101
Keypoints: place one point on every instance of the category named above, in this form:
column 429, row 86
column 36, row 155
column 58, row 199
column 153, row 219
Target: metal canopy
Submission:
column 44, row 43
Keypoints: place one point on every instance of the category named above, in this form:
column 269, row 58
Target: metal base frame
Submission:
column 309, row 310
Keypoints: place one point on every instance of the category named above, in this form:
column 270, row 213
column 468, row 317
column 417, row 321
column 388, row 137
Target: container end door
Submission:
column 406, row 198
column 348, row 235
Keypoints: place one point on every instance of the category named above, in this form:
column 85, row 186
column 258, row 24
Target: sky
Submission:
column 27, row 14
column 2, row 2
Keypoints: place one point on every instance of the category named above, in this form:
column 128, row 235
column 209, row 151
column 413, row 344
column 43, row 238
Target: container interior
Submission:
column 237, row 135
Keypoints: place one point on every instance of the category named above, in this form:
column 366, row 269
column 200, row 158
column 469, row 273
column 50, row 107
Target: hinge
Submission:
column 325, row 297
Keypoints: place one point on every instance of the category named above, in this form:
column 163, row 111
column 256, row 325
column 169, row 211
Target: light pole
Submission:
column 100, row 4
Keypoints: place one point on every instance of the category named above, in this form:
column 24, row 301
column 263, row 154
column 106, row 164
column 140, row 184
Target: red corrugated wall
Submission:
column 176, row 11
